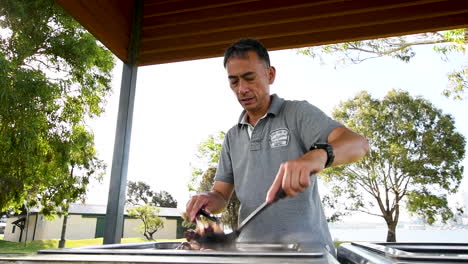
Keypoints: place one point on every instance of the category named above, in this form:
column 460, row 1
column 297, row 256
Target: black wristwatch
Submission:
column 328, row 148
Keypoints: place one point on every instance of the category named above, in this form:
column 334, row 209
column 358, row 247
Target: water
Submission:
column 402, row 235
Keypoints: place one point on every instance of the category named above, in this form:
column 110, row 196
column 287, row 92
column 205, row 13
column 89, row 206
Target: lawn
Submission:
column 7, row 247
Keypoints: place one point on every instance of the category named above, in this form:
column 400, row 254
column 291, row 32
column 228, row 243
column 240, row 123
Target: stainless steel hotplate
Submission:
column 166, row 252
column 387, row 253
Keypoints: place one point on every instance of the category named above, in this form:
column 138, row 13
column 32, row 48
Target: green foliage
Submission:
column 433, row 206
column 164, row 199
column 206, row 160
column 443, row 42
column 53, row 77
column 203, row 176
column 186, row 223
column 210, row 149
column 140, row 193
column 415, row 156
column 148, row 214
column 458, row 81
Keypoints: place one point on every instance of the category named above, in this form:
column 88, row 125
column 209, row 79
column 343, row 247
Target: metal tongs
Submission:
column 208, row 216
column 220, row 240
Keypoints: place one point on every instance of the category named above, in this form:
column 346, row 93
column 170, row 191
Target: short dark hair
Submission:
column 242, row 46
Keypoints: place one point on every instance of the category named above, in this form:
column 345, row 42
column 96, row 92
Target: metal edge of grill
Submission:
column 169, row 248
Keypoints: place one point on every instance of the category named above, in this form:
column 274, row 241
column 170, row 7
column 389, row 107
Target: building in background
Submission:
column 3, row 221
column 84, row 222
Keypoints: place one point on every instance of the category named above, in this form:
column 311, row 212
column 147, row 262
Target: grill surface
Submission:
column 169, row 249
column 165, row 252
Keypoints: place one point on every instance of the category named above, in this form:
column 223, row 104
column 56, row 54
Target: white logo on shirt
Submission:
column 279, row 138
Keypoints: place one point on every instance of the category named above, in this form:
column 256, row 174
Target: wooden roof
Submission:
column 179, row 30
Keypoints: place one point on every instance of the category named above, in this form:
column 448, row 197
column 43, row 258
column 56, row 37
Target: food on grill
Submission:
column 184, row 245
column 204, row 227
column 192, row 242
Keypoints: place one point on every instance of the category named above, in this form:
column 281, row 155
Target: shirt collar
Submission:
column 275, row 106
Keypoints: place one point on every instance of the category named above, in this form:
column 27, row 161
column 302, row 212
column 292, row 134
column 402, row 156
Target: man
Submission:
column 276, row 144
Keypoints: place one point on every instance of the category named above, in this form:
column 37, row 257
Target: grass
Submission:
column 31, row 247
column 7, row 247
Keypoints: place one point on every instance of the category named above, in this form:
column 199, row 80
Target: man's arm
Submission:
column 212, row 202
column 348, row 146
column 294, row 176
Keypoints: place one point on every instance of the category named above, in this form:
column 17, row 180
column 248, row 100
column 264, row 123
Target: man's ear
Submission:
column 271, row 74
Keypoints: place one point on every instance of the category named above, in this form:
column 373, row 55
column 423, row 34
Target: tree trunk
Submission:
column 391, row 232
column 64, row 230
column 21, row 235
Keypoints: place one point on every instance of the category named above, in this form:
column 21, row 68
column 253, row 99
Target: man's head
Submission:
column 250, row 75
column 241, row 47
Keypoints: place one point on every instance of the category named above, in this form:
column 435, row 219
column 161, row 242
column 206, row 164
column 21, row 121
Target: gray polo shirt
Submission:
column 251, row 164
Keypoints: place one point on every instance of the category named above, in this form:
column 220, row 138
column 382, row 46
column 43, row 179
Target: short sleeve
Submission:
column 314, row 125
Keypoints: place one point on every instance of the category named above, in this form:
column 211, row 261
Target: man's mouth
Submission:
column 247, row 101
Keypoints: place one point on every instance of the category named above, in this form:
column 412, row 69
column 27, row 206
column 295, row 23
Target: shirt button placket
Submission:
column 256, row 139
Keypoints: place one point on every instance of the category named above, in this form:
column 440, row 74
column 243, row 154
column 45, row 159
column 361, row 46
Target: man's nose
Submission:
column 243, row 87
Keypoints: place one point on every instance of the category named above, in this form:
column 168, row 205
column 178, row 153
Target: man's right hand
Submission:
column 212, row 202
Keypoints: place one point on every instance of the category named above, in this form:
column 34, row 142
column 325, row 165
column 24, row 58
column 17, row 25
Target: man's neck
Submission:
column 253, row 117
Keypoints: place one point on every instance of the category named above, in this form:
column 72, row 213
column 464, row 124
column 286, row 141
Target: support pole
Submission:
column 113, row 228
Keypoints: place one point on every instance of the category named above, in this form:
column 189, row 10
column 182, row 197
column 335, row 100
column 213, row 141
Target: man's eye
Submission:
column 234, row 82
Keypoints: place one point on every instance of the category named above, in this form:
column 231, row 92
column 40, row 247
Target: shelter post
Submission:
column 114, row 219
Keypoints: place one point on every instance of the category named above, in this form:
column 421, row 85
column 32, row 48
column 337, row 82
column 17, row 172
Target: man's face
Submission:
column 250, row 80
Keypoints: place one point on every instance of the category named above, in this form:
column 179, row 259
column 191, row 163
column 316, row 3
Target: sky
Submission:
column 178, row 105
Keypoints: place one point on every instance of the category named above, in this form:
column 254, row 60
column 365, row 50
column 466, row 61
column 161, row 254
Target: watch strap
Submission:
column 329, row 149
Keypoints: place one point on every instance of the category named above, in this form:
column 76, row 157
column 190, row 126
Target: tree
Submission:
column 144, row 202
column 54, row 77
column 164, row 199
column 203, row 175
column 148, row 214
column 140, row 193
column 415, row 158
column 443, row 42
